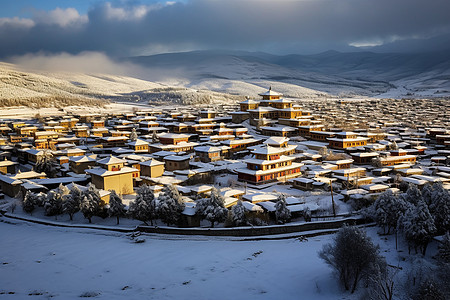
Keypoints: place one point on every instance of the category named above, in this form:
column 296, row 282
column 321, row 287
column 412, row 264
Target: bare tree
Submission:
column 352, row 255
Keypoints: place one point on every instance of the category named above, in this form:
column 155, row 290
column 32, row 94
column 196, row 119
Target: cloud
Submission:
column 89, row 62
column 16, row 23
column 61, row 17
column 281, row 26
column 84, row 62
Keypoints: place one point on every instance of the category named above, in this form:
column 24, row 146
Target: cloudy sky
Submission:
column 139, row 27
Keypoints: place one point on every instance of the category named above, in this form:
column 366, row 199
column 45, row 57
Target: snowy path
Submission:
column 65, row 263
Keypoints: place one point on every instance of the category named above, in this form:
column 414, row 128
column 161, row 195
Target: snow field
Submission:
column 66, row 263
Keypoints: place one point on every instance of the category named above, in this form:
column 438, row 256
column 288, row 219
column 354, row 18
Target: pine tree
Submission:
column 143, row 208
column 47, row 163
column 91, row 203
column 444, row 249
column 440, row 208
column 387, row 209
column 40, row 199
column 72, row 201
column 88, row 207
column 394, row 146
column 116, row 207
column 170, row 205
column 213, row 208
column 29, row 202
column 133, row 135
column 93, row 192
column 154, row 137
column 238, row 214
column 54, row 203
column 427, row 193
column 418, row 226
column 282, row 213
column 413, row 194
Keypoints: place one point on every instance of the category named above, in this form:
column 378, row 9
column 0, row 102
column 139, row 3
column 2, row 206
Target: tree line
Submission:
column 167, row 206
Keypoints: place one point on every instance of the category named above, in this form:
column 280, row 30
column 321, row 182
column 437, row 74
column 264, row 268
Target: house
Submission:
column 172, row 138
column 321, row 136
column 241, row 144
column 139, row 146
column 8, row 167
column 363, row 158
column 303, row 183
column 207, row 114
column 68, row 122
column 269, row 164
column 294, row 122
column 152, row 168
column 110, row 141
column 395, row 160
column 238, row 117
column 70, row 152
column 248, row 104
column 113, row 175
column 208, row 153
column 46, row 135
column 78, row 164
column 33, row 155
column 99, row 131
column 188, row 217
column 305, row 130
column 344, row 140
column 279, row 131
column 26, row 130
column 11, row 185
column 44, row 144
column 177, row 162
column 97, row 123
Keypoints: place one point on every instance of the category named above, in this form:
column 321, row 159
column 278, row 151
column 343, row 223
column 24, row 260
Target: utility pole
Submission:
column 332, row 199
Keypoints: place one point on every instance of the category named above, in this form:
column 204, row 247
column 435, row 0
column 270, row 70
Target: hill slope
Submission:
column 42, row 89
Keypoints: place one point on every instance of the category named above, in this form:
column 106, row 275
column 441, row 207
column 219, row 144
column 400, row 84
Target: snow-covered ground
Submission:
column 65, row 263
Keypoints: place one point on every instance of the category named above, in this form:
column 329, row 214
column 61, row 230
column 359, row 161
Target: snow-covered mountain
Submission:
column 205, row 77
column 322, row 75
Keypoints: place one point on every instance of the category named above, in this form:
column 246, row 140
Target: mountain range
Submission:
column 328, row 74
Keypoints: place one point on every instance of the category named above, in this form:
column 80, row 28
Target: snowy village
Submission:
column 269, row 161
column 267, row 166
column 225, row 150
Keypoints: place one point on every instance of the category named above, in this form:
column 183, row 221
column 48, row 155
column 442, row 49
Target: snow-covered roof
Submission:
column 151, row 163
column 111, row 160
column 5, row 163
column 103, row 172
column 177, row 157
column 252, row 207
column 374, row 187
column 293, row 200
column 258, row 197
column 279, row 128
column 270, row 93
column 267, row 205
column 208, row 149
column 138, row 142
column 29, row 175
column 269, row 150
column 49, row 181
column 173, row 135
